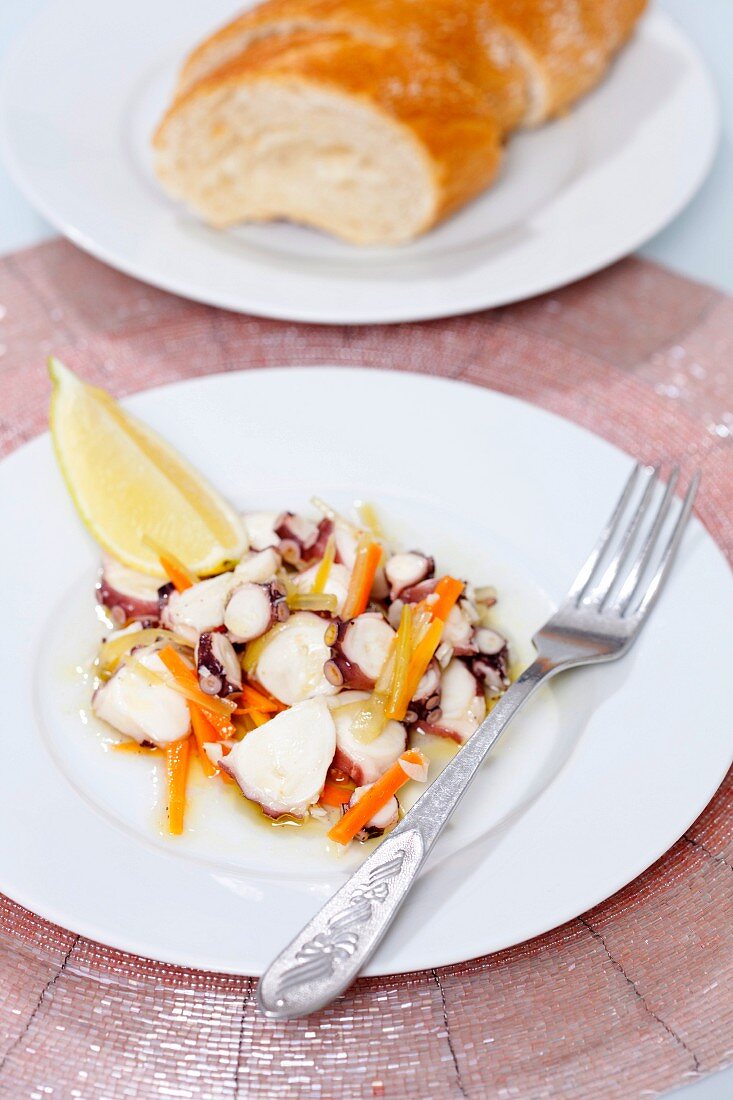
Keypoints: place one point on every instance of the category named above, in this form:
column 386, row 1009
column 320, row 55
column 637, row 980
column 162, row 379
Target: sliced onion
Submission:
column 111, row 652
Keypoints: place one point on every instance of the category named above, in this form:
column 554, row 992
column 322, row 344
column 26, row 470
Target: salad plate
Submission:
column 573, row 196
column 594, row 782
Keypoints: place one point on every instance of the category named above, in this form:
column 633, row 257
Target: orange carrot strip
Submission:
column 448, row 590
column 204, row 732
column 421, row 658
column 374, row 799
column 177, row 573
column 177, row 756
column 255, row 698
column 259, row 718
column 368, row 557
column 177, row 578
column 335, row 794
column 217, row 710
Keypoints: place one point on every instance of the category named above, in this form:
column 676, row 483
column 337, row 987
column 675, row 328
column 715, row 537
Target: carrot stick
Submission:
column 335, row 794
column 374, row 799
column 259, row 718
column 177, row 756
column 177, row 573
column 212, row 705
column 255, row 698
column 203, row 732
column 448, row 590
column 368, row 557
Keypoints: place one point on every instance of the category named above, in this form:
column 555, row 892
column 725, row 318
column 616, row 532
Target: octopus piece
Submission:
column 361, row 761
column 259, row 566
column 359, row 651
column 260, row 528
column 217, row 664
column 383, row 819
column 200, row 607
column 337, row 583
column 463, row 707
column 491, row 664
column 298, row 537
column 148, row 713
column 316, row 552
column 425, row 703
column 408, row 569
column 290, row 666
column 126, row 594
column 417, row 592
column 282, row 765
column 253, row 609
column 458, row 632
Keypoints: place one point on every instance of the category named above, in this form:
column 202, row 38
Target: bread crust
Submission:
column 567, row 43
column 460, row 34
column 446, row 120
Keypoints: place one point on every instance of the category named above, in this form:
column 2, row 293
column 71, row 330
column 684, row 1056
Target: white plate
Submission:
column 83, row 90
column 601, row 775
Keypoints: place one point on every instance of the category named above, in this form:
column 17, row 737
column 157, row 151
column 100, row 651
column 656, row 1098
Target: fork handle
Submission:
column 328, row 953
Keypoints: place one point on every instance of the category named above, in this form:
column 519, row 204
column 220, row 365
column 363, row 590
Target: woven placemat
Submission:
column 630, row 999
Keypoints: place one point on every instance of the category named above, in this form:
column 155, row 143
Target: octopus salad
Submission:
column 307, row 674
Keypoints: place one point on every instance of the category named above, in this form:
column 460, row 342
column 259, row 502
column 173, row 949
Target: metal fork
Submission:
column 599, row 620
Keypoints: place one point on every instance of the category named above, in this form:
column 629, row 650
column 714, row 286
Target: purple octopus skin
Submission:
column 359, row 649
column 124, row 607
column 217, row 664
column 408, row 569
column 339, row 670
column 253, row 608
column 416, row 592
column 425, row 703
column 301, row 540
column 490, row 666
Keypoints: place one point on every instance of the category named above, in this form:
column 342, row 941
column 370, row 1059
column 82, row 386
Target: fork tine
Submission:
column 657, row 582
column 631, row 584
column 585, row 575
column 602, row 590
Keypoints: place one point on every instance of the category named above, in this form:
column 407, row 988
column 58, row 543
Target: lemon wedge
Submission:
column 129, row 486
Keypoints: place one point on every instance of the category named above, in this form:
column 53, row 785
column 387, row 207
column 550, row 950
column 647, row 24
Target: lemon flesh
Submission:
column 129, row 485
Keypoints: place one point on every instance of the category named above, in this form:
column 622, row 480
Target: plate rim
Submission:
column 137, row 947
column 269, row 307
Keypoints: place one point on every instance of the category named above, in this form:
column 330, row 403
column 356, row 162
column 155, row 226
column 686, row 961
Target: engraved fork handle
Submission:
column 326, row 956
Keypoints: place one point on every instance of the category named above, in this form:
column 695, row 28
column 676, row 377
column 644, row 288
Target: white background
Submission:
column 699, row 243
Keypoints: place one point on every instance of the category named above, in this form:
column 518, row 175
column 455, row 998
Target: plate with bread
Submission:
column 357, row 161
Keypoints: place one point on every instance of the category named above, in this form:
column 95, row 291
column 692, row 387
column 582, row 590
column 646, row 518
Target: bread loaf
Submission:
column 458, row 33
column 373, row 119
column 373, row 142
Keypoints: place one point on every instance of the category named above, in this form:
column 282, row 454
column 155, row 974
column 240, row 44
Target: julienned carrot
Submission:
column 187, row 678
column 375, row 798
column 448, row 589
column 132, row 746
column 177, row 573
column 258, row 699
column 335, row 794
column 204, row 733
column 177, row 757
column 259, row 718
column 421, row 658
column 368, row 557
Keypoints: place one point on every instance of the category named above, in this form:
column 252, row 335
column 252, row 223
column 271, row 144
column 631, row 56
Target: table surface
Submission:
column 699, row 243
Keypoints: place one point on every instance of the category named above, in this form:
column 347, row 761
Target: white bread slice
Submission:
column 460, row 34
column 371, row 142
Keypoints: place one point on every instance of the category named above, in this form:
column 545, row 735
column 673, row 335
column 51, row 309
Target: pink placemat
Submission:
column 630, row 999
